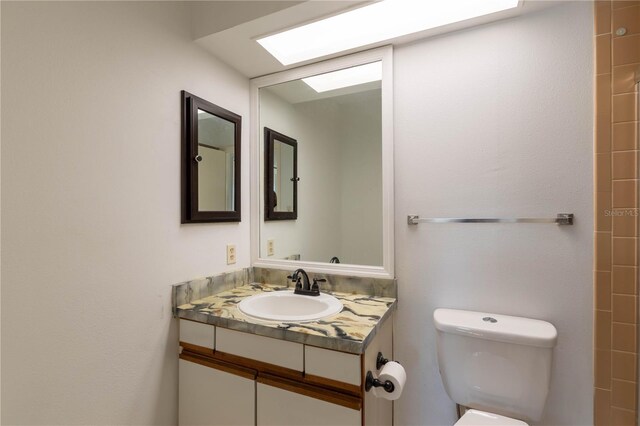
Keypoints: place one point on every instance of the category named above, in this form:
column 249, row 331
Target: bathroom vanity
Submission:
column 235, row 370
column 322, row 201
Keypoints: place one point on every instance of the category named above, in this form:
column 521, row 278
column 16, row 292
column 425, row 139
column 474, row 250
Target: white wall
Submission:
column 360, row 127
column 91, row 207
column 496, row 120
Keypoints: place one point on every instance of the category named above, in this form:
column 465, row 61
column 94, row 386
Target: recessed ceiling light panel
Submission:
column 378, row 22
column 345, row 77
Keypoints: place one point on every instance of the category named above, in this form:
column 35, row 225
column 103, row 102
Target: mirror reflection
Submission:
column 281, row 176
column 216, row 155
column 335, row 118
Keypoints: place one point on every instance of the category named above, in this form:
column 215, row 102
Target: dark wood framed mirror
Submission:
column 210, row 162
column 281, row 176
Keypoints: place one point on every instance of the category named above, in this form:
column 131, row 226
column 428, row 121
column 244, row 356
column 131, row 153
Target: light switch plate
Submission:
column 270, row 249
column 231, row 254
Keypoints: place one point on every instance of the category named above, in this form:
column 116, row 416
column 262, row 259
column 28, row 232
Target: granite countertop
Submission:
column 351, row 330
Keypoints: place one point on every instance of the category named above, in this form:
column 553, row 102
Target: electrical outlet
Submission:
column 231, row 254
column 270, row 250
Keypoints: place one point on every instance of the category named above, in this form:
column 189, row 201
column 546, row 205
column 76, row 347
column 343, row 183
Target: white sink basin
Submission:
column 285, row 306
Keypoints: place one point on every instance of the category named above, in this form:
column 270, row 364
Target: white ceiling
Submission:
column 229, row 29
column 237, row 46
column 209, row 17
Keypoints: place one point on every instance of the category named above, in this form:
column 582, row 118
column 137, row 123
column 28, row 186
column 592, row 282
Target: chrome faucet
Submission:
column 303, row 286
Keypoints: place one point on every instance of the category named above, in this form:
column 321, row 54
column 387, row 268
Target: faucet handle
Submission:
column 316, row 287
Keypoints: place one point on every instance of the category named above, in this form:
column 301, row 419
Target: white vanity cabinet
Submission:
column 279, row 407
column 246, row 379
column 212, row 396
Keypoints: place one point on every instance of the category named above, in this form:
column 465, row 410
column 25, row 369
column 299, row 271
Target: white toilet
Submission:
column 497, row 365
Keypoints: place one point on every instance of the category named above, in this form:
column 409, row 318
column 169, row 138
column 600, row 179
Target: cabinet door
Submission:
column 279, row 407
column 209, row 396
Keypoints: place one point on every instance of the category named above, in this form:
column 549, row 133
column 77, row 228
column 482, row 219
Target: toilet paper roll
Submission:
column 396, row 374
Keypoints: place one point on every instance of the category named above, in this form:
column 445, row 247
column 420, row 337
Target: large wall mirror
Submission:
column 211, row 162
column 327, row 162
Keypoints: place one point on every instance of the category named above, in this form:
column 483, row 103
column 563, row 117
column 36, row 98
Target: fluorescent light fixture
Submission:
column 378, row 22
column 345, row 77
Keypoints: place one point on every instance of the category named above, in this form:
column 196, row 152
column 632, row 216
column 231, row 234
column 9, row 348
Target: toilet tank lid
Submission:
column 501, row 328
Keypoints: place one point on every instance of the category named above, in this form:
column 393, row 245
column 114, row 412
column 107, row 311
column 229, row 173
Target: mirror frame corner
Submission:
column 383, row 54
column 190, row 212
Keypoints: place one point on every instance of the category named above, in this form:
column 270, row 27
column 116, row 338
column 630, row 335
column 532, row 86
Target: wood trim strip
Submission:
column 196, row 349
column 331, row 384
column 247, row 373
column 261, row 367
column 344, row 400
column 333, row 391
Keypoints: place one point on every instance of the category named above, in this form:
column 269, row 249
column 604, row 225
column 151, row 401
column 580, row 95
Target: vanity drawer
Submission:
column 264, row 349
column 333, row 365
column 197, row 336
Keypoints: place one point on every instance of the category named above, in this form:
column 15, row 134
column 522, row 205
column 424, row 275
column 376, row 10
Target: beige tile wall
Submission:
column 616, row 207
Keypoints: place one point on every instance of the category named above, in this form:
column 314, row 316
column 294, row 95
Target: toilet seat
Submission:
column 482, row 418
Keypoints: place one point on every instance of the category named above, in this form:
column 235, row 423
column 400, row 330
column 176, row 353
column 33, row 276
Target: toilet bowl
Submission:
column 498, row 366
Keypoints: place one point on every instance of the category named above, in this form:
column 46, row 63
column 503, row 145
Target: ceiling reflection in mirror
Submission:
column 335, row 119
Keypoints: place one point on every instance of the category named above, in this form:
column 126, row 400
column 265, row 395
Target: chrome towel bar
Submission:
column 560, row 219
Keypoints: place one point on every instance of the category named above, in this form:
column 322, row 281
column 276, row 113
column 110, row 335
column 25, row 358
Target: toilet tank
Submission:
column 495, row 363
